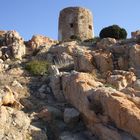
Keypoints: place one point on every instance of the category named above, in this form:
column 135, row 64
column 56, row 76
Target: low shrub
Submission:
column 37, row 67
column 113, row 31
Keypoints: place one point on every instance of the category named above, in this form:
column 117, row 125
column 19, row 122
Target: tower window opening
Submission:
column 81, row 17
column 71, row 25
column 90, row 27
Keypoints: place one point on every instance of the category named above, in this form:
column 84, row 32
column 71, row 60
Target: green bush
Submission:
column 113, row 31
column 37, row 67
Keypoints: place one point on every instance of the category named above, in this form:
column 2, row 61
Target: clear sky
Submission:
column 31, row 17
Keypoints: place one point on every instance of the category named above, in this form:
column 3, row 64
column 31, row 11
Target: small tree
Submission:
column 113, row 31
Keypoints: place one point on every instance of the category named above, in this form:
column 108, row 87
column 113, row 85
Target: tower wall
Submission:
column 75, row 21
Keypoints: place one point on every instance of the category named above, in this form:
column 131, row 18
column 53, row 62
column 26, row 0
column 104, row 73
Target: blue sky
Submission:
column 31, row 17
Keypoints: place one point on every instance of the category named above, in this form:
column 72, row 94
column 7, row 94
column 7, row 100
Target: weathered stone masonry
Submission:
column 75, row 21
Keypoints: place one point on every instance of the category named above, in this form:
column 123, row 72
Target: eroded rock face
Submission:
column 66, row 47
column 136, row 85
column 55, row 84
column 83, row 62
column 121, row 79
column 103, row 61
column 71, row 116
column 13, row 127
column 105, row 43
column 12, row 45
column 39, row 40
column 134, row 55
column 102, row 107
column 111, row 113
column 74, row 92
column 7, row 97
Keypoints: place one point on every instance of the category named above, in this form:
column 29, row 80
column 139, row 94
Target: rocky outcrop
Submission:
column 105, row 43
column 136, row 85
column 101, row 107
column 121, row 79
column 89, row 83
column 83, row 62
column 12, row 45
column 134, row 55
column 66, row 47
column 38, row 41
column 71, row 116
column 8, row 98
column 103, row 61
column 55, row 84
column 13, row 127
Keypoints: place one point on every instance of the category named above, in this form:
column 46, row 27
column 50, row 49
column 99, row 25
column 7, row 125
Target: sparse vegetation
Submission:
column 37, row 67
column 113, row 31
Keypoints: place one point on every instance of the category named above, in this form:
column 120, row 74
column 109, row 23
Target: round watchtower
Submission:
column 75, row 22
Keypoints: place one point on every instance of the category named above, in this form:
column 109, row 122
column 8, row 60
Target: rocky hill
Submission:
column 72, row 90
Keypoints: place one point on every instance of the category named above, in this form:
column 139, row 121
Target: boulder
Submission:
column 136, row 85
column 118, row 81
column 83, row 62
column 103, row 61
column 120, row 49
column 53, row 70
column 105, row 43
column 46, row 115
column 75, row 95
column 123, row 112
column 12, row 36
column 2, row 38
column 18, row 50
column 8, row 97
column 63, row 62
column 37, row 134
column 121, row 79
column 66, row 135
column 66, row 47
column 2, row 67
column 16, row 71
column 11, row 124
column 71, row 116
column 123, row 63
column 129, row 91
column 13, row 46
column 93, row 101
column 134, row 56
column 42, row 89
column 56, row 86
column 15, row 83
column 27, row 103
column 49, row 113
column 37, row 41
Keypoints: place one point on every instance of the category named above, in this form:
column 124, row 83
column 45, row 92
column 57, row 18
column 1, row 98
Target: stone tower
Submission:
column 75, row 21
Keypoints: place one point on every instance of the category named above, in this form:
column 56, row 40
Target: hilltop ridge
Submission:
column 69, row 90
